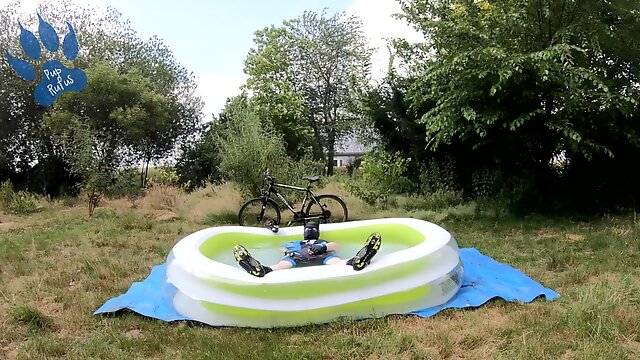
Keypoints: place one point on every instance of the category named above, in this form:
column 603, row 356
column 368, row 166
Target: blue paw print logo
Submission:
column 55, row 78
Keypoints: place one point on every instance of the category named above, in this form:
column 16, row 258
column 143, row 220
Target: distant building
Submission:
column 348, row 151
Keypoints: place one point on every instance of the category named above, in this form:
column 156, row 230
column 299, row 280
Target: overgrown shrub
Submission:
column 25, row 203
column 486, row 183
column 163, row 175
column 437, row 200
column 126, row 184
column 6, row 194
column 248, row 146
column 381, row 174
column 438, row 176
column 199, row 161
column 18, row 202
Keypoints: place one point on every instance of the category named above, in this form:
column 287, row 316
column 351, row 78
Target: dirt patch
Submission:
column 574, row 238
column 164, row 215
column 569, row 355
column 10, row 351
column 6, row 226
column 49, row 307
column 605, row 278
column 133, row 334
column 17, row 284
column 633, row 346
column 545, row 234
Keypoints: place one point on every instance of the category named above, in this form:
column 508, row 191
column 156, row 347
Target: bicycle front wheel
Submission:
column 256, row 212
column 328, row 209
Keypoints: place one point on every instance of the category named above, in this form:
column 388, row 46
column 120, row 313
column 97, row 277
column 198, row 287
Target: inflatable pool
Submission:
column 417, row 267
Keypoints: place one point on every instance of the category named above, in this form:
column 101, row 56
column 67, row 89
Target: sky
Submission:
column 211, row 38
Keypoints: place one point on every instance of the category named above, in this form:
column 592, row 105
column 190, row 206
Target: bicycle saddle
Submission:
column 311, row 178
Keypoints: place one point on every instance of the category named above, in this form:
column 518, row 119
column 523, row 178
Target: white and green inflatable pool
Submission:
column 418, row 266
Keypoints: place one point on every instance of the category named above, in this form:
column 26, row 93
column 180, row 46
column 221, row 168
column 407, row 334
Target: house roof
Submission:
column 350, row 146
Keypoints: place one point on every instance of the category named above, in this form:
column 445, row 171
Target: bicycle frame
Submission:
column 298, row 215
column 308, row 196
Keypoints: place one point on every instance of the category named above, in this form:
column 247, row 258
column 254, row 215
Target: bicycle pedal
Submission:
column 271, row 225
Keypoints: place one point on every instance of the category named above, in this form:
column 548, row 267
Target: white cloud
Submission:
column 379, row 26
column 215, row 88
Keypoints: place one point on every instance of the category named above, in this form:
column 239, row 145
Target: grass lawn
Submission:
column 57, row 267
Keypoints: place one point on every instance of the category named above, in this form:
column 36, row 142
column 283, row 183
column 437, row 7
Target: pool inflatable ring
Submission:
column 417, row 267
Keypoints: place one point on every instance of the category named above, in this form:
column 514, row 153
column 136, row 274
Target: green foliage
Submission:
column 126, row 183
column 247, row 147
column 91, row 154
column 438, row 176
column 199, row 162
column 24, row 203
column 6, row 194
column 164, row 175
column 140, row 100
column 31, row 317
column 502, row 88
column 485, row 183
column 306, row 77
column 18, row 202
column 381, row 174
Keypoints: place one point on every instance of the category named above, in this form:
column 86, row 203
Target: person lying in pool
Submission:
column 310, row 251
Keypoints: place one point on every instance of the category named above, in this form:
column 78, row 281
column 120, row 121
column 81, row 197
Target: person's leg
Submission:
column 254, row 267
column 248, row 263
column 334, row 260
column 286, row 263
column 368, row 251
column 363, row 257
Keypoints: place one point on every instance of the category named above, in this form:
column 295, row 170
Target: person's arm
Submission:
column 321, row 248
column 332, row 246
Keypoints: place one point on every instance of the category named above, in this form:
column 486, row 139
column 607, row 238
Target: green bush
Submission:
column 381, row 175
column 126, row 183
column 437, row 200
column 25, row 203
column 248, row 146
column 31, row 317
column 438, row 176
column 163, row 175
column 485, row 183
column 199, row 161
column 18, row 202
column 6, row 195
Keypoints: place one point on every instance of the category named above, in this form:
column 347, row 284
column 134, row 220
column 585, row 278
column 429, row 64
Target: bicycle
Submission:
column 324, row 208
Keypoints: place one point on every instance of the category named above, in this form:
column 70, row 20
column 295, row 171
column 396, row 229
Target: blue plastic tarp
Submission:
column 484, row 279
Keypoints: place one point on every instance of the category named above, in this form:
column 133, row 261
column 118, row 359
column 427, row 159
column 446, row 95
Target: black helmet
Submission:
column 311, row 231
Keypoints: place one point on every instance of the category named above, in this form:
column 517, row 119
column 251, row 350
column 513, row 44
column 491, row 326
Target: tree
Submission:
column 317, row 67
column 104, row 39
column 95, row 127
column 513, row 84
column 199, row 162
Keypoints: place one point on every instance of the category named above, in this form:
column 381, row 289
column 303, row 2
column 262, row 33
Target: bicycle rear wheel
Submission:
column 256, row 212
column 331, row 209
